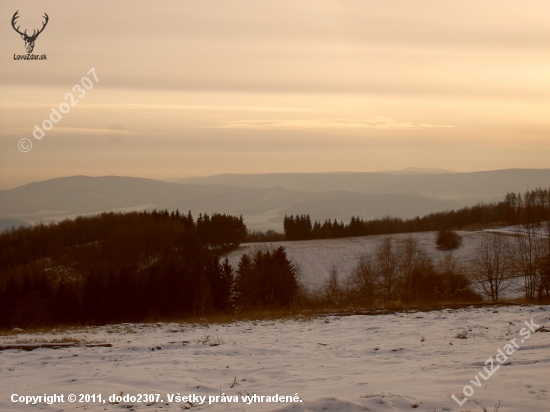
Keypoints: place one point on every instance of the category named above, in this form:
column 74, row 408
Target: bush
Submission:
column 448, row 240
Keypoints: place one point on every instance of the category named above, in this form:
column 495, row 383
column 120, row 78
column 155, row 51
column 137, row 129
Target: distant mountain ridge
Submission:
column 7, row 224
column 263, row 208
column 418, row 171
column 263, row 200
column 481, row 186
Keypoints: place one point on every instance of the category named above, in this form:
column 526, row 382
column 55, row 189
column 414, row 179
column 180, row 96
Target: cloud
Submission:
column 93, row 131
column 109, row 131
column 138, row 107
column 373, row 123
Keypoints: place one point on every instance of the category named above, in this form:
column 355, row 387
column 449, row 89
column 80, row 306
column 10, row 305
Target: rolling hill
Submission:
column 472, row 187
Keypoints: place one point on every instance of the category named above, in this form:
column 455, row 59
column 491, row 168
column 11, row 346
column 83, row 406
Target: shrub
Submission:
column 448, row 240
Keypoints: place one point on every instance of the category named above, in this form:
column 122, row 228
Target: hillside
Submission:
column 316, row 258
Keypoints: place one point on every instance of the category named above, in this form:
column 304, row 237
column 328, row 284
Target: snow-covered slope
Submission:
column 316, row 258
column 394, row 362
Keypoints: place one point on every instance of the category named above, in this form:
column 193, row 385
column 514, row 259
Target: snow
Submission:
column 394, row 362
column 315, row 258
column 514, row 230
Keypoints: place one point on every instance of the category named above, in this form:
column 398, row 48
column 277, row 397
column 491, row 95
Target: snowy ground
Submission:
column 513, row 230
column 377, row 363
column 317, row 257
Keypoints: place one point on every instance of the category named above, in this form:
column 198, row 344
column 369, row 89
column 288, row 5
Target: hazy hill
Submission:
column 264, row 208
column 6, row 224
column 419, row 171
column 475, row 186
column 264, row 199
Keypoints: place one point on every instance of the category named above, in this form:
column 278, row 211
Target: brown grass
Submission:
column 305, row 314
column 481, row 226
column 255, row 315
column 62, row 329
column 65, row 339
column 527, row 302
column 293, row 313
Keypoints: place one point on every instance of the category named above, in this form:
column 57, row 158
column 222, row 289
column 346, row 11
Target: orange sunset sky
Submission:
column 204, row 87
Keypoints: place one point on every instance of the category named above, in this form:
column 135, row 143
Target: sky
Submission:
column 196, row 88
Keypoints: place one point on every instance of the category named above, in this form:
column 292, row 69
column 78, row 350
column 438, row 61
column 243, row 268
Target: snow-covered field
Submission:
column 317, row 257
column 393, row 362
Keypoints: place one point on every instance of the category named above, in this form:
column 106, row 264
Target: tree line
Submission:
column 531, row 207
column 221, row 231
column 114, row 240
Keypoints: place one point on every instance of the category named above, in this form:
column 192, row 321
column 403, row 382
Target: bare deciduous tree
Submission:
column 448, row 267
column 364, row 280
column 409, row 252
column 544, row 285
column 491, row 266
column 387, row 262
column 333, row 290
column 529, row 256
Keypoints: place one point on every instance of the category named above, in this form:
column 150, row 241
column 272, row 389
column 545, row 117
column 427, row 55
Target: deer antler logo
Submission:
column 29, row 40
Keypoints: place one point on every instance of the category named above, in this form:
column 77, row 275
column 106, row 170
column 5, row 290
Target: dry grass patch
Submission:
column 58, row 330
column 121, row 329
column 257, row 316
column 62, row 340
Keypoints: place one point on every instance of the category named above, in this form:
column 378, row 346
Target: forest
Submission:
column 117, row 267
column 531, row 207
